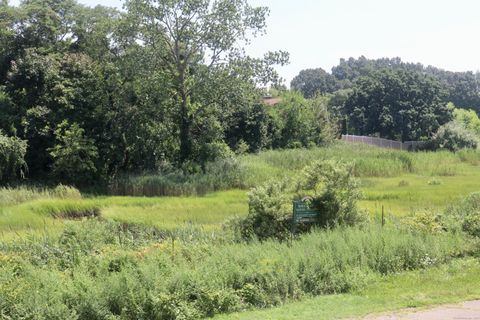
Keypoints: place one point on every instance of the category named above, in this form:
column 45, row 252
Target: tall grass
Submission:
column 220, row 175
column 94, row 272
column 16, row 195
column 254, row 169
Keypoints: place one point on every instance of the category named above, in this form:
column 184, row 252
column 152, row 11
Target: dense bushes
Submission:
column 329, row 187
column 334, row 193
column 12, row 157
column 98, row 271
column 270, row 212
column 452, row 136
column 298, row 122
column 465, row 215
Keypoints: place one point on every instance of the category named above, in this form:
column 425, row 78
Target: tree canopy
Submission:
column 397, row 104
column 314, row 81
column 95, row 92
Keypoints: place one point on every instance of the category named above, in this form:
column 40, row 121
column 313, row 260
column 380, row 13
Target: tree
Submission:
column 314, row 81
column 301, row 122
column 397, row 104
column 468, row 119
column 463, row 88
column 453, row 136
column 191, row 39
column 73, row 154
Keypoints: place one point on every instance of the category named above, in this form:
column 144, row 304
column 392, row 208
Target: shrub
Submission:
column 465, row 215
column 270, row 211
column 471, row 208
column 434, row 182
column 453, row 136
column 403, row 183
column 334, row 192
column 426, row 222
column 12, row 157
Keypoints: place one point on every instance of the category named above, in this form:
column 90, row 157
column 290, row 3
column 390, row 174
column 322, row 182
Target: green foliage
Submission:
column 105, row 271
column 453, row 136
column 219, row 175
column 138, row 106
column 461, row 87
column 12, row 158
column 425, row 222
column 434, row 182
column 301, row 122
column 465, row 215
column 188, row 31
column 333, row 190
column 66, row 192
column 20, row 194
column 334, row 193
column 270, row 211
column 397, row 104
column 311, row 82
column 73, row 155
column 468, row 118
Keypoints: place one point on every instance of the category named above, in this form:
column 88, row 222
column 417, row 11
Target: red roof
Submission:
column 272, row 101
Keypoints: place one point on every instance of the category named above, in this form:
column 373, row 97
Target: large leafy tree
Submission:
column 163, row 82
column 53, row 70
column 193, row 41
column 463, row 88
column 314, row 81
column 397, row 104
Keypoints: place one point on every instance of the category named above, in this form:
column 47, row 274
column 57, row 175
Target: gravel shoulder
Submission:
column 463, row 311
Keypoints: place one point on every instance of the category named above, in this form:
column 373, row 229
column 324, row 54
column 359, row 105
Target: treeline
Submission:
column 461, row 88
column 398, row 100
column 92, row 93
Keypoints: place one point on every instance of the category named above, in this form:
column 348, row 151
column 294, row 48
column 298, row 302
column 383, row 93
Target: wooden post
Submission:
column 383, row 216
column 173, row 248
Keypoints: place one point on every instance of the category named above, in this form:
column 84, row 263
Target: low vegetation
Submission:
column 105, row 271
column 129, row 140
column 87, row 257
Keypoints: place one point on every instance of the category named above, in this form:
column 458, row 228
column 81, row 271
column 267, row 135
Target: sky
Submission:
column 317, row 33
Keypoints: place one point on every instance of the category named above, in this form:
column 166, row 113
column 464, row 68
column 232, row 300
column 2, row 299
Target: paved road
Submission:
column 463, row 311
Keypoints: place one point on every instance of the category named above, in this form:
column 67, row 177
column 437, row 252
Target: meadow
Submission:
column 403, row 183
column 164, row 247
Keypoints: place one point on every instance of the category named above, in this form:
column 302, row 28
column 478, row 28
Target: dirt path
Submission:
column 463, row 311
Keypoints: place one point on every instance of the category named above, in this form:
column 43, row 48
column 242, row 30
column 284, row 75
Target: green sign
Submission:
column 302, row 213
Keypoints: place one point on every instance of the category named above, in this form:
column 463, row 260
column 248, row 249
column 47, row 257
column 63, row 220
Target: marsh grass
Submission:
column 96, row 270
column 255, row 169
column 169, row 258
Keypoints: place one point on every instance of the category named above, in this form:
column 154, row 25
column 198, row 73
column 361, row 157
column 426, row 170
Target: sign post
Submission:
column 303, row 213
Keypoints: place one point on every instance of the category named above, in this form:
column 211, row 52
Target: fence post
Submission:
column 383, row 216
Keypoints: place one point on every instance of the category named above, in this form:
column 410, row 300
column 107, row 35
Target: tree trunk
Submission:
column 185, row 136
column 185, row 139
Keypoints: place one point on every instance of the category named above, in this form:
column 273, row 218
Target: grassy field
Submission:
column 179, row 258
column 403, row 183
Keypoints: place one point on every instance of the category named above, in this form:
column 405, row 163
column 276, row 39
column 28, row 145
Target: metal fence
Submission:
column 384, row 143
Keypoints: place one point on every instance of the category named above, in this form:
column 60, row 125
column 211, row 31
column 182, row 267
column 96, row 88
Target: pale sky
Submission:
column 317, row 33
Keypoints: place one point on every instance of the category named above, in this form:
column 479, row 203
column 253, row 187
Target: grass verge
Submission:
column 450, row 283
